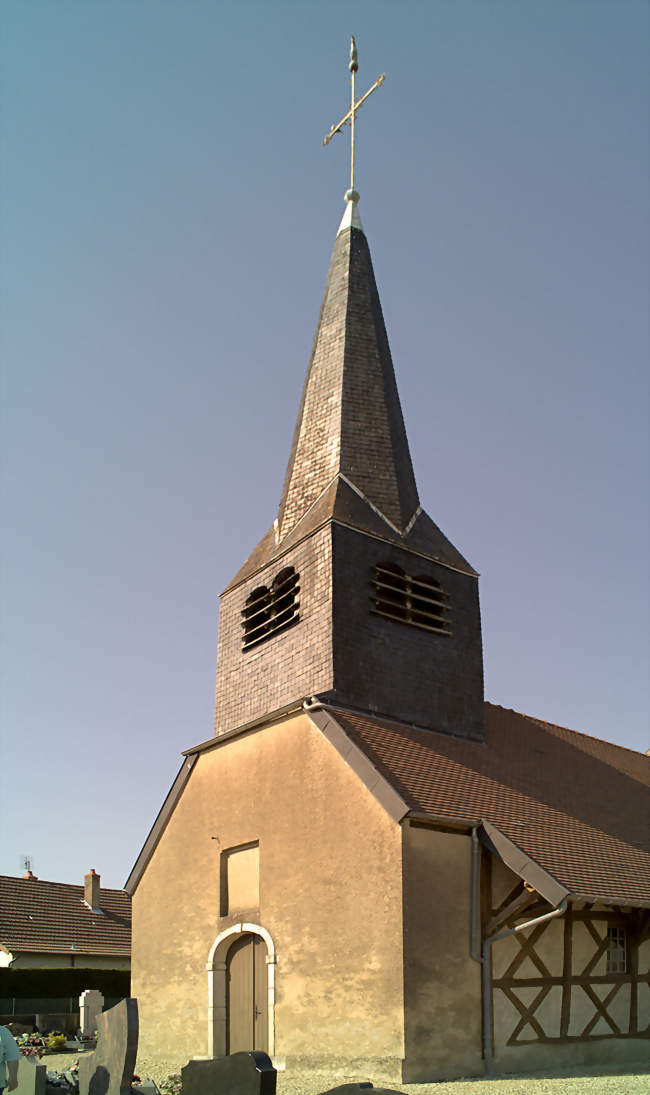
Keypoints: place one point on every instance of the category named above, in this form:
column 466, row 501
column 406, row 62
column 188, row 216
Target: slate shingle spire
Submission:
column 350, row 456
column 350, row 421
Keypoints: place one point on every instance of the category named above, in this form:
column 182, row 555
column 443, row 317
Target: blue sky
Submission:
column 167, row 215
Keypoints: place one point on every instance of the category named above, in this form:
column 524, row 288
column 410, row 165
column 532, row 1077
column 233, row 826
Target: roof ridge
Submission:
column 568, row 729
column 48, row 882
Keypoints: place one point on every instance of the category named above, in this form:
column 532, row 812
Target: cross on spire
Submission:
column 352, row 195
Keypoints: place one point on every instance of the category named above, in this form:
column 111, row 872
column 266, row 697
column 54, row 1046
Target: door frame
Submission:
column 216, row 970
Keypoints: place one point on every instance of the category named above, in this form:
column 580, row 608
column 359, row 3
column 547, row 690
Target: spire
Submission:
column 350, row 459
column 350, row 424
column 350, row 428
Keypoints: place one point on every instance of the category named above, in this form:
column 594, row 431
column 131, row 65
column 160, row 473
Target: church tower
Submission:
column 354, row 595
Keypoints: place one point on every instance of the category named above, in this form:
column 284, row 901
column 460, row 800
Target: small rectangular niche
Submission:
column 240, row 878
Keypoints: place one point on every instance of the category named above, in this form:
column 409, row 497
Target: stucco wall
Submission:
column 330, row 897
column 442, row 983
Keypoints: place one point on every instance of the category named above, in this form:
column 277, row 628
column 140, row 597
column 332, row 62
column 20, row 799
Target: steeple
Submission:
column 350, row 421
column 354, row 594
column 350, row 458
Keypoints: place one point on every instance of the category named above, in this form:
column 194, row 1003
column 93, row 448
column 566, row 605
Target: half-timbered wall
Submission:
column 552, row 995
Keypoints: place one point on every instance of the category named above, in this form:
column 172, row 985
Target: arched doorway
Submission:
column 247, row 1013
column 241, row 991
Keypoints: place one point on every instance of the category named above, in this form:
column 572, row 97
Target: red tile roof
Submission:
column 578, row 806
column 48, row 917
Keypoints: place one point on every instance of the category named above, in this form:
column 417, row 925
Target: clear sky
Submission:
column 168, row 213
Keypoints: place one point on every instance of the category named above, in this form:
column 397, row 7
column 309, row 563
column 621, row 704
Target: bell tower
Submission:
column 353, row 595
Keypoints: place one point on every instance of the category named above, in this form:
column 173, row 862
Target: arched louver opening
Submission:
column 256, row 615
column 268, row 611
column 418, row 601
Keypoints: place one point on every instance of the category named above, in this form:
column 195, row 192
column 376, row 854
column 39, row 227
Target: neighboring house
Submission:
column 339, row 875
column 58, row 925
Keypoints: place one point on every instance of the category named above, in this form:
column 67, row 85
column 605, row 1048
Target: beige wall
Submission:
column 330, row 897
column 442, row 983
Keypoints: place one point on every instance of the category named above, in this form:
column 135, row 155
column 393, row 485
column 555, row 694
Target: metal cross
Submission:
column 351, row 194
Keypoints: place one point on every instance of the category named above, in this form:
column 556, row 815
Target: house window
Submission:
column 616, row 950
column 416, row 600
column 271, row 609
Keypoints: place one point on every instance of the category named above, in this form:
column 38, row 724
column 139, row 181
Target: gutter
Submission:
column 486, row 958
column 474, row 928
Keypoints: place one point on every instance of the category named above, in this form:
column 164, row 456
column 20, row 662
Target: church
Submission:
column 369, row 871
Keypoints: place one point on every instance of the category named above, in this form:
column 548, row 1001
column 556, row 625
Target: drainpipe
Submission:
column 487, row 975
column 474, row 912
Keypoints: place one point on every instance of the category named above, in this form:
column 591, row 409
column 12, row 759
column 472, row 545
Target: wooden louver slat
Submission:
column 420, row 602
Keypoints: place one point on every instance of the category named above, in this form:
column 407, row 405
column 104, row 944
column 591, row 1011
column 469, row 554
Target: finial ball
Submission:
column 352, row 196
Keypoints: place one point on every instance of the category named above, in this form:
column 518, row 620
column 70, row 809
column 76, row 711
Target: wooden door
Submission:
column 247, row 1000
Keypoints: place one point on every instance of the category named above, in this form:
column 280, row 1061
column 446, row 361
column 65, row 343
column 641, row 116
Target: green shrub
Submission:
column 171, row 1085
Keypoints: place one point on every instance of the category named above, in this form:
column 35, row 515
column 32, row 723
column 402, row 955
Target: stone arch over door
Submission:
column 217, row 987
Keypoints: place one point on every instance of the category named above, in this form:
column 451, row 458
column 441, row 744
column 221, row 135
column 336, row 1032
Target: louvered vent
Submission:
column 269, row 610
column 418, row 601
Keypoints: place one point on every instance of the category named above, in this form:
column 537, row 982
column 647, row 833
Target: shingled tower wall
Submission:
column 349, row 506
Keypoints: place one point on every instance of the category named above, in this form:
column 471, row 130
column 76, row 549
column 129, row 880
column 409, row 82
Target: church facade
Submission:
column 368, row 870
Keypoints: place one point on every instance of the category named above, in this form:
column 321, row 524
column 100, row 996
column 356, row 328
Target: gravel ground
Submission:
column 589, row 1082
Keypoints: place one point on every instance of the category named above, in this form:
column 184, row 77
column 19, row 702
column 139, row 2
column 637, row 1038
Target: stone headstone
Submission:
column 146, row 1087
column 20, row 1028
column 352, row 1089
column 51, row 1021
column 91, row 1003
column 32, row 1077
column 109, row 1069
column 240, row 1074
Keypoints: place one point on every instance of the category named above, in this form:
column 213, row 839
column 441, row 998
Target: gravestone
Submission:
column 109, row 1069
column 240, row 1074
column 91, row 1003
column 352, row 1089
column 32, row 1077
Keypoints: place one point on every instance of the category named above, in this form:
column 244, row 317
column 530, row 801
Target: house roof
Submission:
column 577, row 806
column 52, row 918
